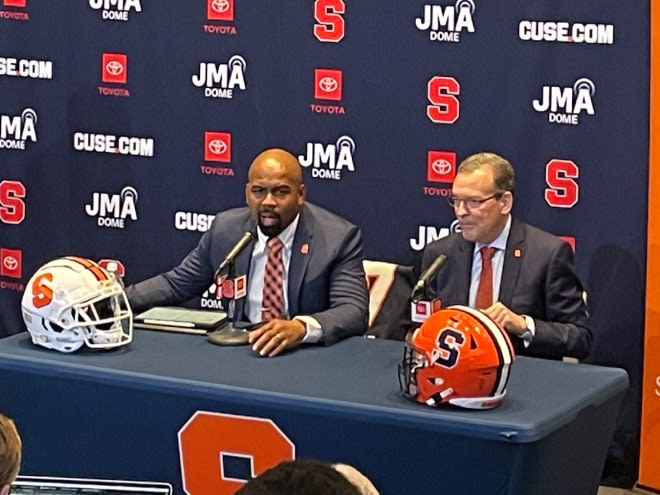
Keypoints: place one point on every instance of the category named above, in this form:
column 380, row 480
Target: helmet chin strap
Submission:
column 439, row 397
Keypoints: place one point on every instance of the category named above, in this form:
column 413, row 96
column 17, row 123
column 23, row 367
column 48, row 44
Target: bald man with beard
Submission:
column 324, row 287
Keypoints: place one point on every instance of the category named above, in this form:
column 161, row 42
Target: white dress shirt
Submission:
column 497, row 261
column 254, row 301
column 498, row 265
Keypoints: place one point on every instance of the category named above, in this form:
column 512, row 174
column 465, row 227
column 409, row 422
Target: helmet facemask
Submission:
column 104, row 320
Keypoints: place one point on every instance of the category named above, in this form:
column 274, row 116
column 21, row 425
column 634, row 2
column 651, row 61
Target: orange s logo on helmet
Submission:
column 43, row 295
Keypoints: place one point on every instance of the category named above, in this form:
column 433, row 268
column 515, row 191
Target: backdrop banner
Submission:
column 125, row 125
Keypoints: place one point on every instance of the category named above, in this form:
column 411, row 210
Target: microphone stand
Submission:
column 419, row 293
column 229, row 334
column 231, row 304
column 420, row 297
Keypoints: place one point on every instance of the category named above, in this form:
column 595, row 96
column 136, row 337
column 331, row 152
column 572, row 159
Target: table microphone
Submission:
column 425, row 278
column 242, row 243
column 421, row 307
column 231, row 287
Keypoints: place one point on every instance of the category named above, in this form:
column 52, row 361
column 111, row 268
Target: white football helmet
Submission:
column 73, row 301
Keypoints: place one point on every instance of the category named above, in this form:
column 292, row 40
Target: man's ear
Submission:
column 507, row 202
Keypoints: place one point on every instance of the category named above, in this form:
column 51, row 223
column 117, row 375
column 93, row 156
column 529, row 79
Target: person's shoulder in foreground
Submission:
column 540, row 300
column 309, row 477
column 10, row 453
column 324, row 287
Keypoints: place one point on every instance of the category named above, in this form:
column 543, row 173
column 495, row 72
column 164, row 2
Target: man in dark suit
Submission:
column 530, row 286
column 322, row 289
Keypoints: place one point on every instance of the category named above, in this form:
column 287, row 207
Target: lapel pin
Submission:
column 304, row 249
column 517, row 253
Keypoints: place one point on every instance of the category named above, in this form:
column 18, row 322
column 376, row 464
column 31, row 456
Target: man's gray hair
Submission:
column 505, row 176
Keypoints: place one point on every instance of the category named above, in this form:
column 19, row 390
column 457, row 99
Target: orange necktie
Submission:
column 485, row 289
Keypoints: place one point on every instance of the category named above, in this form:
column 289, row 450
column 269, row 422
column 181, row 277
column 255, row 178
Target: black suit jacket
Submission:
column 326, row 276
column 538, row 280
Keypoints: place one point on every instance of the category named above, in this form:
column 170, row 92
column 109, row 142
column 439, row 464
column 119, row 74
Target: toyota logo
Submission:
column 328, row 84
column 220, row 6
column 441, row 166
column 217, row 146
column 114, row 68
column 10, row 263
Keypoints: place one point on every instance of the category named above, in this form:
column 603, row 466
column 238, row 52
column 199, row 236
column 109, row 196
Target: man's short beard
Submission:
column 271, row 231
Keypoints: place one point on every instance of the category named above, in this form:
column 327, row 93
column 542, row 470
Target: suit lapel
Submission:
column 461, row 288
column 301, row 253
column 513, row 257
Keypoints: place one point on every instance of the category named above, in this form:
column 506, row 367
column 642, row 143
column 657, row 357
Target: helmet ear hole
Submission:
column 55, row 327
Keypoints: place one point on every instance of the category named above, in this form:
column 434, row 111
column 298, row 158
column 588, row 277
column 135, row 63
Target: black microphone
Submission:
column 428, row 274
column 242, row 243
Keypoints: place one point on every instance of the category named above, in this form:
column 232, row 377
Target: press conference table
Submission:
column 117, row 414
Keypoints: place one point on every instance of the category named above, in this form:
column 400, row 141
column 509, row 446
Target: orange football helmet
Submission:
column 458, row 356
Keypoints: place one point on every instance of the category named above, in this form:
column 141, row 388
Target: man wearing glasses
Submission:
column 520, row 276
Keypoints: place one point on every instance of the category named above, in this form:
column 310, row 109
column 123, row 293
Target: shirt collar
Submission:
column 286, row 236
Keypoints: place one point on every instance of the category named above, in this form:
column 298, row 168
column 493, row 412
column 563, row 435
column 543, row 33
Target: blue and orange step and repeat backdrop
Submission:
column 125, row 125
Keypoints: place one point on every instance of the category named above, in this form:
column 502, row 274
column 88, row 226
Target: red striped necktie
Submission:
column 273, row 296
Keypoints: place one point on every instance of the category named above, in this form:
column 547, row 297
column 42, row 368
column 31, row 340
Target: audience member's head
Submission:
column 363, row 484
column 10, row 453
column 307, row 477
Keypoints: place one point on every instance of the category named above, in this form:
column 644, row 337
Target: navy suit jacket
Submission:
column 326, row 276
column 538, row 280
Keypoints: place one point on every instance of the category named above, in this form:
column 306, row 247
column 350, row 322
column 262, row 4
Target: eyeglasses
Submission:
column 470, row 203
